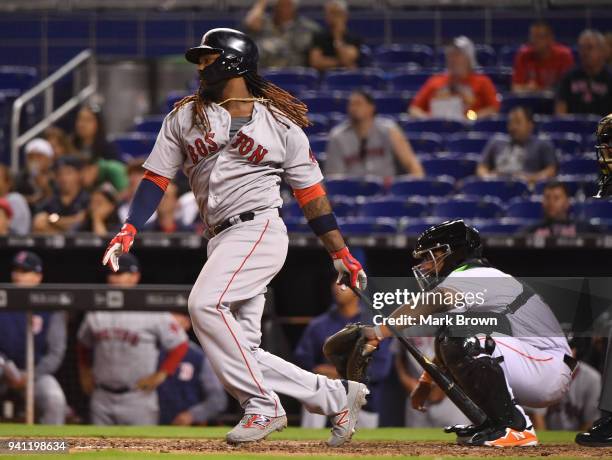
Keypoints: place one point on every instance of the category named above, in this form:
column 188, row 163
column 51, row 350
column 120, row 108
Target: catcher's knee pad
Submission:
column 480, row 376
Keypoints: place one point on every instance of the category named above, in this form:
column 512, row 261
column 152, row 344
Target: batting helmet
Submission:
column 238, row 54
column 604, row 155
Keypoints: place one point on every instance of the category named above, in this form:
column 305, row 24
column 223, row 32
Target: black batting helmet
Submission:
column 238, row 54
column 604, row 155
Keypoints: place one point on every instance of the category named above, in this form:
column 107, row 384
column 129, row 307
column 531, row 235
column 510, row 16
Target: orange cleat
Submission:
column 514, row 438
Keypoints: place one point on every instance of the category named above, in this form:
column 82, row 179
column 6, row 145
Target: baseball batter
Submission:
column 235, row 139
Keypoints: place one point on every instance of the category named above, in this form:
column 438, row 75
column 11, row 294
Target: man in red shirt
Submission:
column 458, row 93
column 539, row 65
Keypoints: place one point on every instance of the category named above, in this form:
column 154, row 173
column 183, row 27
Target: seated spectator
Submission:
column 35, row 182
column 556, row 211
column 60, row 141
column 521, row 155
column 102, row 217
column 335, row 47
column 167, row 214
column 49, row 329
column 98, row 171
column 309, row 354
column 588, row 87
column 6, row 214
column 283, row 38
column 460, row 92
column 369, row 144
column 193, row 395
column 21, row 220
column 609, row 49
column 89, row 136
column 135, row 171
column 67, row 207
column 539, row 65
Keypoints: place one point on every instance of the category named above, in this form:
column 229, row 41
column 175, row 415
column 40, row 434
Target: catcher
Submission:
column 533, row 365
column 604, row 156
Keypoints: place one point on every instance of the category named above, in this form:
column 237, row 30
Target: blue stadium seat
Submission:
column 134, row 145
column 583, row 125
column 506, row 55
column 392, row 207
column 318, row 145
column 500, row 76
column 149, row 124
column 426, row 187
column 497, row 124
column 425, row 142
column 346, row 80
column 500, row 228
column 524, row 208
column 394, row 55
column 19, row 78
column 353, row 186
column 367, row 226
column 320, row 124
column 573, row 183
column 291, row 209
column 579, row 166
column 432, row 125
column 409, row 80
column 537, row 103
column 415, row 227
column 293, row 78
column 457, row 168
column 325, row 102
column 566, row 143
column 589, row 142
column 392, row 104
column 502, row 189
column 173, row 97
column 297, row 225
column 596, row 209
column 467, row 208
column 344, row 206
column 485, row 55
column 468, row 142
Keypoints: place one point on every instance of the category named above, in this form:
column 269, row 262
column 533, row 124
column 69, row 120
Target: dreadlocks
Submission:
column 277, row 100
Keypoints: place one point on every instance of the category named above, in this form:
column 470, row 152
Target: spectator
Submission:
column 49, row 330
column 135, row 171
column 102, row 217
column 60, row 141
column 460, row 92
column 118, row 357
column 89, row 136
column 193, row 395
column 96, row 172
column 284, row 38
column 521, row 156
column 369, row 144
column 609, row 49
column 335, row 47
column 167, row 213
column 35, row 182
column 309, row 354
column 588, row 87
column 540, row 65
column 556, row 210
column 21, row 216
column 66, row 209
column 189, row 213
column 6, row 214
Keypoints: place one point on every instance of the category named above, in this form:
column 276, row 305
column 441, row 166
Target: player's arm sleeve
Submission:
column 301, row 169
column 334, row 163
column 215, row 398
column 56, row 345
column 173, row 339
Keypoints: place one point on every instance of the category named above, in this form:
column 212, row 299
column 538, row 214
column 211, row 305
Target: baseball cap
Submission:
column 28, row 261
column 6, row 206
column 128, row 263
column 466, row 46
column 39, row 145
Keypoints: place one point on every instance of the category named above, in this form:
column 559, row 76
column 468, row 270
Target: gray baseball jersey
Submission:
column 344, row 150
column 126, row 344
column 230, row 176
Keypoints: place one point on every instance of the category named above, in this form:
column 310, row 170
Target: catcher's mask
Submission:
column 443, row 247
column 238, row 54
column 603, row 149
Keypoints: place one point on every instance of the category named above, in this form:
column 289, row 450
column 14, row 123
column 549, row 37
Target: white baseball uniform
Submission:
column 230, row 175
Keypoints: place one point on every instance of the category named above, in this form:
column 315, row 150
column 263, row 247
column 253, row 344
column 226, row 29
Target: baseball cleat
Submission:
column 466, row 432
column 504, row 437
column 600, row 434
column 343, row 423
column 254, row 427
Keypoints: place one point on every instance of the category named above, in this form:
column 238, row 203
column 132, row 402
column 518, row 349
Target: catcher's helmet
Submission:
column 457, row 241
column 603, row 148
column 238, row 54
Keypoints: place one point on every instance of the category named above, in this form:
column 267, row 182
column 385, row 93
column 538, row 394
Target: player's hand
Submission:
column 420, row 395
column 120, row 244
column 349, row 269
column 183, row 419
column 151, row 382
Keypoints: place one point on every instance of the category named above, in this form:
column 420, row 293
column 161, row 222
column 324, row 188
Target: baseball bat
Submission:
column 448, row 386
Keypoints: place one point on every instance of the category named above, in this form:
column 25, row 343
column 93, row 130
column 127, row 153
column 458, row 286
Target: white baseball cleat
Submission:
column 343, row 423
column 255, row 427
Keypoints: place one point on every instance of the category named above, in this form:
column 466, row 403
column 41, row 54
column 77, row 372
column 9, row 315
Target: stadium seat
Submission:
column 325, row 103
column 537, row 103
column 320, row 124
column 347, row 80
column 425, row 142
column 172, row 98
column 457, row 168
column 596, row 209
column 432, row 125
column 387, row 56
column 485, row 55
column 293, row 78
column 500, row 76
column 583, row 125
column 353, row 186
column 573, row 183
column 134, row 145
column 391, row 207
column 579, row 166
column 566, row 143
column 468, row 142
column 506, row 55
column 19, row 78
column 392, row 104
column 150, row 124
column 297, row 224
column 497, row 124
column 367, row 226
column 502, row 189
column 344, row 206
column 425, row 187
column 318, row 145
column 524, row 208
column 408, row 80
column 291, row 209
column 500, row 228
column 589, row 142
column 415, row 227
column 467, row 208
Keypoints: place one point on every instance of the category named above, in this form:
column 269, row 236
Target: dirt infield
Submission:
column 355, row 448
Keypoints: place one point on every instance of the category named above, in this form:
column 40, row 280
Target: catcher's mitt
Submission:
column 349, row 353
